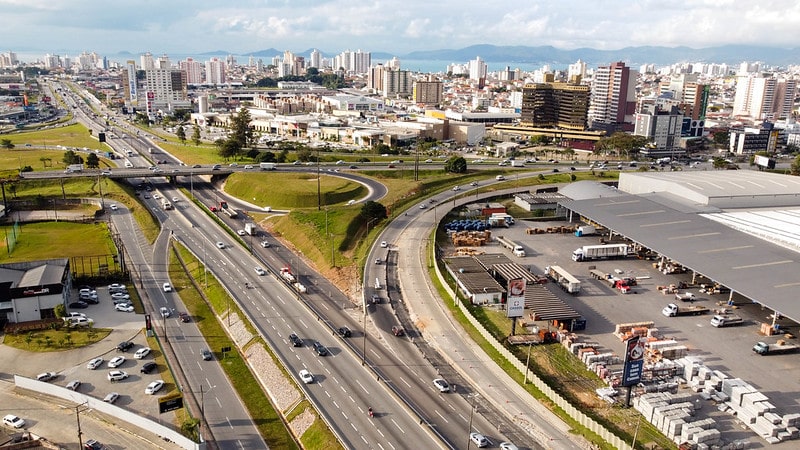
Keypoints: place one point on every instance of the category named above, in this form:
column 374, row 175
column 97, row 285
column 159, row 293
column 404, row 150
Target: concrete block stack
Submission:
column 673, row 415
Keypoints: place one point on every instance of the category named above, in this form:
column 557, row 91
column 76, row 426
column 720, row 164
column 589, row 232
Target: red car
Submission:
column 213, row 209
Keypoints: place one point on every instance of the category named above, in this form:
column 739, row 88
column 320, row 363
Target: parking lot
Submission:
column 724, row 349
column 71, row 364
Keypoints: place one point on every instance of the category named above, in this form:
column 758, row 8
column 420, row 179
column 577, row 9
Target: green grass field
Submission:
column 47, row 240
column 69, row 136
column 291, row 190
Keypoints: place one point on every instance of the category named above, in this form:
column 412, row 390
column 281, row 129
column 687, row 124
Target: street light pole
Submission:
column 471, row 411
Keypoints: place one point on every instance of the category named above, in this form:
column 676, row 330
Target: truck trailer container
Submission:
column 515, row 248
column 604, row 251
column 564, row 279
column 673, row 310
column 763, row 348
column 585, row 230
column 267, row 166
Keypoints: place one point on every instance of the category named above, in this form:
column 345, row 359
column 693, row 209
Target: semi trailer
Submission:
column 604, row 251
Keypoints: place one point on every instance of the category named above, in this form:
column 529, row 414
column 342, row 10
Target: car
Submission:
column 46, row 376
column 73, row 385
column 115, row 362
column 391, row 166
column 94, row 363
column 113, row 207
column 441, row 385
column 572, row 169
column 456, row 188
column 248, row 166
column 124, row 346
column 398, row 331
column 353, row 166
column 196, row 166
column 384, row 244
column 320, row 349
column 233, row 165
column 260, row 271
column 79, row 305
column 306, row 376
column 296, row 163
column 175, row 171
column 75, row 322
column 220, row 245
column 156, row 196
column 296, row 341
column 167, row 287
column 121, row 300
column 378, row 261
column 213, row 208
column 206, row 354
column 344, row 332
column 154, row 387
column 148, row 367
column 92, row 444
column 478, row 439
column 499, row 178
column 117, row 375
column 216, row 167
column 89, row 298
column 240, row 232
column 146, row 195
column 184, row 317
column 13, row 421
column 111, row 397
column 502, row 163
column 116, row 287
column 508, row 446
column 141, row 353
column 75, row 314
column 120, row 296
column 164, row 311
column 422, row 206
column 474, row 183
column 264, row 244
column 175, row 199
column 428, row 160
column 555, row 170
column 375, row 299
column 124, row 307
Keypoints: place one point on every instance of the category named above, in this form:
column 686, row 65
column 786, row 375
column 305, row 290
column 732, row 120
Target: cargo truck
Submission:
column 590, row 252
column 251, row 229
column 763, row 348
column 515, row 163
column 267, row 166
column 726, row 320
column 685, row 296
column 564, row 279
column 515, row 248
column 585, row 230
column 286, row 274
column 673, row 310
column 507, row 217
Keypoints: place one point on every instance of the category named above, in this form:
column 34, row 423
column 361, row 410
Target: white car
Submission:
column 261, row 271
column 75, row 314
column 120, row 296
column 13, row 421
column 167, row 287
column 123, row 307
column 508, row 446
column 175, row 199
column 164, row 311
column 220, row 245
column 479, row 439
column 94, row 364
column 117, row 375
column 113, row 206
column 456, row 188
column 116, row 287
column 154, row 387
column 46, row 376
column 306, row 376
column 115, row 362
column 240, row 232
column 156, row 196
column 441, row 385
column 111, row 397
column 141, row 353
column 264, row 244
column 384, row 244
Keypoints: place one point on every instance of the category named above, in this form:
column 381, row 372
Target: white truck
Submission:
column 251, row 229
column 507, row 217
column 585, row 230
column 604, row 251
column 564, row 279
column 515, row 248
column 685, row 296
column 286, row 274
column 267, row 166
column 515, row 163
column 74, row 168
column 726, row 320
column 673, row 310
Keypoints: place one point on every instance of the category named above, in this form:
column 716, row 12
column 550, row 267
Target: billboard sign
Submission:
column 515, row 306
column 634, row 361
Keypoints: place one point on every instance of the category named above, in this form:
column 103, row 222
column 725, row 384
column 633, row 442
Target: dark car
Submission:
column 78, row 305
column 92, row 444
column 184, row 317
column 398, row 331
column 296, row 341
column 148, row 367
column 320, row 349
column 124, row 346
column 344, row 332
column 206, row 354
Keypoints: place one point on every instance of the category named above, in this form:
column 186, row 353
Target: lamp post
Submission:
column 471, row 411
column 202, row 404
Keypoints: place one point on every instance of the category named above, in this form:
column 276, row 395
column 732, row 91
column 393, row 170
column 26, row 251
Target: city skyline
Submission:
column 245, row 26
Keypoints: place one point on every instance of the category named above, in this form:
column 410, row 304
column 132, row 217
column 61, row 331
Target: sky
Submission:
column 69, row 27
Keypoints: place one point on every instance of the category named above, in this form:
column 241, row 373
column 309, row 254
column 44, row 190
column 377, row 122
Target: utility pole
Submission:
column 78, row 412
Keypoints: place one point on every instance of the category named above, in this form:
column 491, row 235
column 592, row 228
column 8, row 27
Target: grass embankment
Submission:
column 267, row 419
column 46, row 240
column 56, row 340
column 75, row 135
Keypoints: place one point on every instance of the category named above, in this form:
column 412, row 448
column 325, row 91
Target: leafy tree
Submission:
column 196, row 134
column 622, row 142
column 60, row 311
column 227, row 148
column 267, row 83
column 240, row 129
column 719, row 163
column 92, row 161
column 6, row 143
column 267, row 157
column 46, row 162
column 721, row 139
column 794, row 169
column 70, row 157
column 381, row 148
column 456, row 164
column 181, row 133
column 373, row 211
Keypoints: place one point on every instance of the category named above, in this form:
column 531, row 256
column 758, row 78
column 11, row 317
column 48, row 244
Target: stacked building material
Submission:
column 626, row 330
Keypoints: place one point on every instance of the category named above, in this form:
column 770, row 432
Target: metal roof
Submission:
column 546, row 306
column 759, row 270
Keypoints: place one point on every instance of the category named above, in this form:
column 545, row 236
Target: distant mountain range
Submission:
column 540, row 55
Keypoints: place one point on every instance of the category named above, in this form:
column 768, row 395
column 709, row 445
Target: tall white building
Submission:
column 315, row 59
column 163, row 62
column 52, row 61
column 132, row 90
column 764, row 98
column 477, row 69
column 215, row 71
column 353, row 62
column 166, row 89
column 146, row 61
column 193, row 69
column 393, row 63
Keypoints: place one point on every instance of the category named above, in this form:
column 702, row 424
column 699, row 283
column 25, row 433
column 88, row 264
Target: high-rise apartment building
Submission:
column 193, row 70
column 166, row 89
column 8, row 59
column 315, row 59
column 428, row 92
column 215, row 71
column 477, row 69
column 146, row 61
column 555, row 105
column 761, row 98
column 661, row 126
column 397, row 83
column 613, row 98
column 353, row 62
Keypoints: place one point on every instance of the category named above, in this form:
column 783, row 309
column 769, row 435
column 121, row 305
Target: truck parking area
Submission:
column 604, row 305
